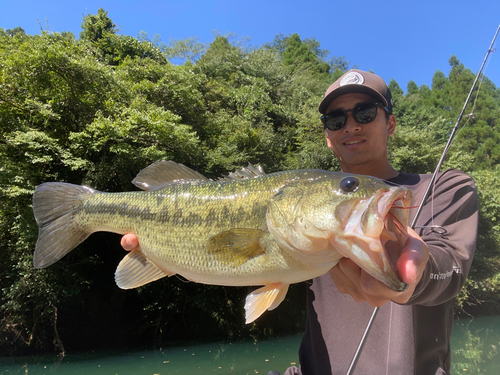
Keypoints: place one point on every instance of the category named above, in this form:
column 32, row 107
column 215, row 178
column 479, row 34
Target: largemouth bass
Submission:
column 247, row 229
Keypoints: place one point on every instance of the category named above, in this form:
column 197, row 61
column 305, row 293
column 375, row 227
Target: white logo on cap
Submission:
column 352, row 78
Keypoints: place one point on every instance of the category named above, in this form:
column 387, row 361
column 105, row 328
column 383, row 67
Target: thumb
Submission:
column 411, row 263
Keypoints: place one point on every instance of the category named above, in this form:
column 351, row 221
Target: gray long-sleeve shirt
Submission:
column 405, row 339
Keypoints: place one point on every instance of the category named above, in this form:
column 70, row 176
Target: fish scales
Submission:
column 249, row 229
column 165, row 221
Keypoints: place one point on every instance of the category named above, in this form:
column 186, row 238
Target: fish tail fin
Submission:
column 54, row 206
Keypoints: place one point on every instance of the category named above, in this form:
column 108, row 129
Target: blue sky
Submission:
column 400, row 39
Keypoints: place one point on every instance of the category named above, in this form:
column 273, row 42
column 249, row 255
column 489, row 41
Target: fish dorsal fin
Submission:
column 266, row 298
column 166, row 172
column 136, row 270
column 236, row 246
column 244, row 173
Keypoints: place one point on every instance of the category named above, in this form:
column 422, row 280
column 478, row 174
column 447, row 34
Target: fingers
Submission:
column 130, row 242
column 351, row 279
column 414, row 256
column 346, row 276
column 378, row 294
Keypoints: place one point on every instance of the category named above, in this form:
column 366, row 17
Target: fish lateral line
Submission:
column 247, row 255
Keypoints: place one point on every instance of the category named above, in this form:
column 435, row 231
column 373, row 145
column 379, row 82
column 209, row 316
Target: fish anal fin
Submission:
column 136, row 270
column 266, row 298
column 166, row 172
column 236, row 246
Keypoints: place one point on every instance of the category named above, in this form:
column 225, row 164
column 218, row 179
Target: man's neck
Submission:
column 384, row 171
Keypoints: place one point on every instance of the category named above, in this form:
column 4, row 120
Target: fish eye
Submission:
column 349, row 184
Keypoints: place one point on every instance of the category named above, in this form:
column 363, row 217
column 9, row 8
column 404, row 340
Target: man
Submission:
column 411, row 334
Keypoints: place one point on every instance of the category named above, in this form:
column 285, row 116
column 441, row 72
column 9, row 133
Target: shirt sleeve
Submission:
column 452, row 205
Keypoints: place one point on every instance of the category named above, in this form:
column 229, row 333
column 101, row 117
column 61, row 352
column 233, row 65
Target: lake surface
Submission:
column 217, row 358
column 475, row 345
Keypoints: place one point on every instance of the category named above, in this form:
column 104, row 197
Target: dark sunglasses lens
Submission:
column 335, row 120
column 365, row 113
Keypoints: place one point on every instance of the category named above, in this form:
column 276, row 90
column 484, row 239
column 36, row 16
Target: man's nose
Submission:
column 351, row 124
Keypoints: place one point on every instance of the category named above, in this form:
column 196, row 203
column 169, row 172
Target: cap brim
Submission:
column 347, row 89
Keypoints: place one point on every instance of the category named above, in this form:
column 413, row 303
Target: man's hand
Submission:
column 351, row 279
column 130, row 242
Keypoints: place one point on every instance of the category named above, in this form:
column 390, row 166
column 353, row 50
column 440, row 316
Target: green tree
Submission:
column 308, row 63
column 112, row 48
column 221, row 59
column 298, row 53
column 478, row 134
column 412, row 88
column 96, row 27
column 98, row 109
column 15, row 31
column 306, row 67
column 396, row 90
column 69, row 117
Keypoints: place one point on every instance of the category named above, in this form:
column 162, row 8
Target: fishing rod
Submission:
column 359, row 349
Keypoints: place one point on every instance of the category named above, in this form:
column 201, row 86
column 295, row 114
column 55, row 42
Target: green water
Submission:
column 217, row 358
column 475, row 346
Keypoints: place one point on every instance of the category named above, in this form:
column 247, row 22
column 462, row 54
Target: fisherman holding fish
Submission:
column 412, row 331
column 346, row 232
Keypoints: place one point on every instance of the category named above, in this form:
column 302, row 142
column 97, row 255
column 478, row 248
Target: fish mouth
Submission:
column 375, row 234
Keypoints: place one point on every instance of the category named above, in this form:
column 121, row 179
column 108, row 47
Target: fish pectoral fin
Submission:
column 266, row 298
column 236, row 246
column 136, row 270
column 164, row 173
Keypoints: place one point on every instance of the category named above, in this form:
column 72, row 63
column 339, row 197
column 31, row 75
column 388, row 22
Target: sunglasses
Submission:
column 363, row 113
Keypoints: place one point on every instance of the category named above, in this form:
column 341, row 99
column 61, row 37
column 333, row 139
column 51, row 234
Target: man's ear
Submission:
column 391, row 125
column 328, row 142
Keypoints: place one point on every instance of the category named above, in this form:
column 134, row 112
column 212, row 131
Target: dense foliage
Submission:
column 98, row 109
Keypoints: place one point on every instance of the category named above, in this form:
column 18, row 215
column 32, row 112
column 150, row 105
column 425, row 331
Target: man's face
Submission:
column 359, row 145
